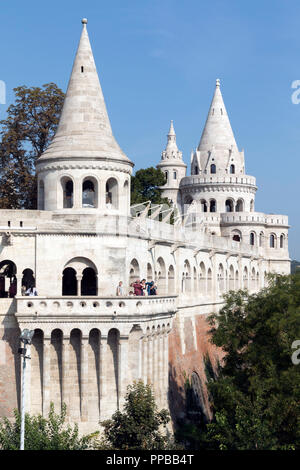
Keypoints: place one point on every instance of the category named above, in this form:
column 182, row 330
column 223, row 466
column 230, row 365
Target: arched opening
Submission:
column 209, row 282
column 236, row 235
column 213, row 168
column 161, row 277
column 195, row 399
column 251, row 205
column 196, row 171
column 229, row 205
column 212, row 205
column 174, row 175
column 28, row 279
column 89, row 193
column 232, row 169
column 167, row 176
column 236, row 286
column 231, row 278
column 74, row 373
column 202, row 278
column 221, row 284
column 68, row 190
column 272, row 241
column 253, row 279
column 8, row 280
column 88, row 282
column 171, row 280
column 69, row 282
column 94, row 374
column 111, row 196
column 245, row 278
column 134, row 271
column 112, row 365
column 281, row 241
column 55, row 373
column 239, row 205
column 252, row 238
column 186, row 278
column 41, row 206
column 203, row 205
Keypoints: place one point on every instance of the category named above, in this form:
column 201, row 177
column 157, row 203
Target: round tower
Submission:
column 173, row 167
column 218, row 182
column 84, row 169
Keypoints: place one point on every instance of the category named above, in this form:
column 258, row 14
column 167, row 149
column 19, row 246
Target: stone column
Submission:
column 19, row 278
column 122, row 369
column 155, row 365
column 46, row 375
column 165, row 368
column 144, row 358
column 150, row 359
column 79, row 279
column 77, row 194
column 65, row 372
column 84, row 377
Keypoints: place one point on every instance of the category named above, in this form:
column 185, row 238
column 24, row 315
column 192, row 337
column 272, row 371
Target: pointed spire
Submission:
column 84, row 129
column 217, row 130
column 171, row 143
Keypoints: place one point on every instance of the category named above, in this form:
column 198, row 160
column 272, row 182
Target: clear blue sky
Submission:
column 158, row 60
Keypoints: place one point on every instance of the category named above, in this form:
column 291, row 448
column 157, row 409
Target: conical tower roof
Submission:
column 217, row 131
column 84, row 130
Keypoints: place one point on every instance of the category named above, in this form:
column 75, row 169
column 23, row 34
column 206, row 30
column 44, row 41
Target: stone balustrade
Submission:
column 74, row 306
column 212, row 179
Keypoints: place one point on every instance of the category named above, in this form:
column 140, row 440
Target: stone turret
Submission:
column 218, row 182
column 173, row 167
column 217, row 144
column 84, row 167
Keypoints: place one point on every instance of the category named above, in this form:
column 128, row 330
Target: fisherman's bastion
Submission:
column 85, row 237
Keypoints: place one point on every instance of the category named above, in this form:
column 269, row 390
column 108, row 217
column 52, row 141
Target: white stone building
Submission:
column 90, row 344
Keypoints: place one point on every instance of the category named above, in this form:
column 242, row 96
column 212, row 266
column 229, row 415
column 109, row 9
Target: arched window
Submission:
column 272, row 241
column 89, row 282
column 167, row 175
column 203, row 205
column 68, row 188
column 8, row 280
column 239, row 205
column 112, row 197
column 252, row 238
column 251, row 205
column 196, row 170
column 229, row 205
column 89, row 193
column 69, row 282
column 281, row 240
column 28, row 278
column 236, row 235
column 232, row 169
column 213, row 168
column 175, row 175
column 212, row 206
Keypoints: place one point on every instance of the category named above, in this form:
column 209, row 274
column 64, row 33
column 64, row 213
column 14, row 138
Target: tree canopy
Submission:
column 145, row 186
column 25, row 134
column 139, row 425
column 256, row 395
column 43, row 434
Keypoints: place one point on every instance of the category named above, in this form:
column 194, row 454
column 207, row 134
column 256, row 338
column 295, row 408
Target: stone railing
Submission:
column 212, row 179
column 71, row 306
column 254, row 218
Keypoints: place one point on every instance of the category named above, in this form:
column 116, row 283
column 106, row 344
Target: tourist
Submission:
column 153, row 290
column 12, row 289
column 131, row 293
column 149, row 286
column 120, row 289
column 143, row 284
column 137, row 287
column 31, row 291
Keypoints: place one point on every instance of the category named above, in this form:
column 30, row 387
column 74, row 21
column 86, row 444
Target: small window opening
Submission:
column 21, row 224
column 82, row 69
column 8, row 223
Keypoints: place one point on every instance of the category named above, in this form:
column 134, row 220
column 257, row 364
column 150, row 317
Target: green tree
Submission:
column 25, row 134
column 256, row 396
column 139, row 425
column 145, row 186
column 43, row 434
